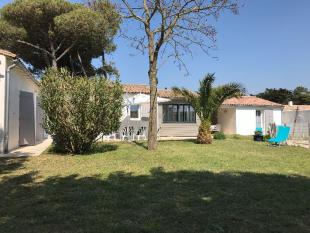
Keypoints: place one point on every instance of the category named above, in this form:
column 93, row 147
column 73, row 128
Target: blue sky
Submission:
column 266, row 46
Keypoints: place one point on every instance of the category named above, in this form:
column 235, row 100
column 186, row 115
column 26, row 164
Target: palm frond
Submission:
column 208, row 99
column 205, row 93
column 205, row 88
column 225, row 92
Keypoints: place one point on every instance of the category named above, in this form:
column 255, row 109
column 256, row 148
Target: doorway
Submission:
column 26, row 119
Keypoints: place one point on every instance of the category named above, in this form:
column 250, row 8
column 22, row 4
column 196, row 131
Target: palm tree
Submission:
column 207, row 101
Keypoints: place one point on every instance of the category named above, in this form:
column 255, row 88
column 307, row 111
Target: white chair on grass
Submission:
column 127, row 133
column 141, row 133
column 108, row 137
column 124, row 134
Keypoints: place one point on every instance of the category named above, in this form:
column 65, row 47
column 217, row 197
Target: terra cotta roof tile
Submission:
column 288, row 108
column 145, row 89
column 168, row 93
column 250, row 101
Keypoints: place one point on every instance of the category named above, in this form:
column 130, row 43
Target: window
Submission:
column 182, row 113
column 134, row 112
column 258, row 119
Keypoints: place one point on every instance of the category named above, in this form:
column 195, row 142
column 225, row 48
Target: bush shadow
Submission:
column 102, row 148
column 97, row 148
column 180, row 201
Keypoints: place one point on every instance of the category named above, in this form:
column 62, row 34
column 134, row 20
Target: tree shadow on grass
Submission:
column 189, row 140
column 142, row 144
column 181, row 201
column 8, row 165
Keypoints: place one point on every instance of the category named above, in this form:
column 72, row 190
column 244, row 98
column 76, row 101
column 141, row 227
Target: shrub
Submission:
column 219, row 136
column 78, row 109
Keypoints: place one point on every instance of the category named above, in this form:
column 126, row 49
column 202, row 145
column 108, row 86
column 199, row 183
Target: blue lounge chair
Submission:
column 282, row 135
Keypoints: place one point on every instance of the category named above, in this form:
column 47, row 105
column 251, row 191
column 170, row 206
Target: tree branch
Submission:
column 132, row 14
column 65, row 52
column 34, row 46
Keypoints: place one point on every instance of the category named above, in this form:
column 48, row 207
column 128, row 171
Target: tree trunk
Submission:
column 53, row 52
column 103, row 64
column 204, row 134
column 152, row 131
column 54, row 63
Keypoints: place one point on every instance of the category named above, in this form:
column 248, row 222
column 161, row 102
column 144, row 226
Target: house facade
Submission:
column 176, row 118
column 20, row 114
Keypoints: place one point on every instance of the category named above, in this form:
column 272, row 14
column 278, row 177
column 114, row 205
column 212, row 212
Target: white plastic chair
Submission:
column 124, row 134
column 141, row 133
column 127, row 132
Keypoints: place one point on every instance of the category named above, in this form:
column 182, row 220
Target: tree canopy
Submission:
column 57, row 33
column 300, row 95
column 281, row 95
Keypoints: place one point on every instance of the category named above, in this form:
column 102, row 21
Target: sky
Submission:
column 267, row 45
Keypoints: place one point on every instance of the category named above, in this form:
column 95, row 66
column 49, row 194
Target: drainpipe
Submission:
column 6, row 107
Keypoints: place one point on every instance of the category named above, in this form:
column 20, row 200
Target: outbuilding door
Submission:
column 39, row 122
column 26, row 119
column 268, row 119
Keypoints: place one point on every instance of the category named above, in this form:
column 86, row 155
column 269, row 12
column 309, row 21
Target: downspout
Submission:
column 6, row 107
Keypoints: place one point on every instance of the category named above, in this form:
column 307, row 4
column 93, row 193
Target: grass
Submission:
column 229, row 186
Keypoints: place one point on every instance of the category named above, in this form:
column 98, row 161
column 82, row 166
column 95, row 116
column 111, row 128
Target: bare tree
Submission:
column 169, row 29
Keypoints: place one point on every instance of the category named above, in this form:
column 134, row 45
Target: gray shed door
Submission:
column 26, row 119
column 268, row 118
column 39, row 122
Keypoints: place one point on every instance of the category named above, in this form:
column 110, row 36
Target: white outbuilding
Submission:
column 243, row 115
column 20, row 114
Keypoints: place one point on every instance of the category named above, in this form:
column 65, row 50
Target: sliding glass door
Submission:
column 178, row 113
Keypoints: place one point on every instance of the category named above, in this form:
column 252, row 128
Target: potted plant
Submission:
column 258, row 135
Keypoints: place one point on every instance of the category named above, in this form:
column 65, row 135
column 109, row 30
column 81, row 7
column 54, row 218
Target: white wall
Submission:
column 245, row 121
column 277, row 116
column 2, row 99
column 19, row 81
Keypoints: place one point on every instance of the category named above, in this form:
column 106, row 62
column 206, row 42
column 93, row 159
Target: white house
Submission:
column 176, row 118
column 20, row 116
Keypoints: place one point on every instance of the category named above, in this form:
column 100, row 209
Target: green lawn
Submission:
column 229, row 186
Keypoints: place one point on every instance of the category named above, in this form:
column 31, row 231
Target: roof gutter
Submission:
column 6, row 106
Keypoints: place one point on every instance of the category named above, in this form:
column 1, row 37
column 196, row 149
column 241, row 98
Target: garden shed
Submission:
column 20, row 114
column 243, row 115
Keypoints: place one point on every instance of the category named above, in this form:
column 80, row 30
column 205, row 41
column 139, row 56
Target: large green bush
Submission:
column 78, row 109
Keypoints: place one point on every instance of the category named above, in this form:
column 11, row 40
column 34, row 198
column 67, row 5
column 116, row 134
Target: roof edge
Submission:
column 7, row 53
